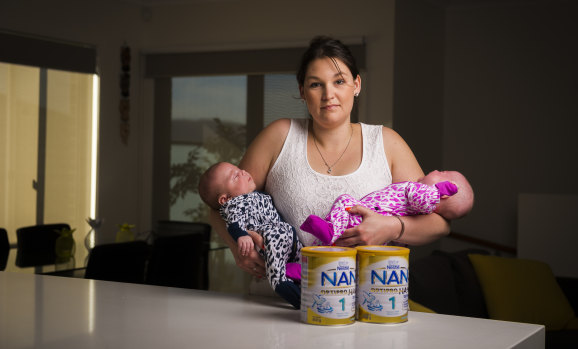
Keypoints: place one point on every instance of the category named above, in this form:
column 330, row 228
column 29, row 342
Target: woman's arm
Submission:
column 420, row 229
column 376, row 229
column 252, row 263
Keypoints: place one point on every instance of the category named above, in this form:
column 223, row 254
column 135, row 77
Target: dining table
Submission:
column 45, row 311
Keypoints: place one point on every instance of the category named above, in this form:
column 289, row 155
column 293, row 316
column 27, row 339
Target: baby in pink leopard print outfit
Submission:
column 447, row 193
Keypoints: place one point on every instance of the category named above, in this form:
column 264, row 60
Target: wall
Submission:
column 559, row 249
column 510, row 107
column 489, row 88
column 418, row 79
column 418, row 85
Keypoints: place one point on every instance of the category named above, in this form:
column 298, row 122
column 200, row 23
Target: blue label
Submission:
column 344, row 278
column 396, row 277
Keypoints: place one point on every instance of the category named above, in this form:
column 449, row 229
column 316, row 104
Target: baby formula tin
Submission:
column 382, row 284
column 328, row 285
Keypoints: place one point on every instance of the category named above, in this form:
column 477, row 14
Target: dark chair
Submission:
column 180, row 255
column 4, row 248
column 122, row 262
column 36, row 244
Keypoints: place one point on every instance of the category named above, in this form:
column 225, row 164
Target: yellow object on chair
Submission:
column 522, row 290
column 413, row 306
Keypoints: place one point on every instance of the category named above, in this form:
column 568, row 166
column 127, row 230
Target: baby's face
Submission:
column 235, row 181
column 436, row 176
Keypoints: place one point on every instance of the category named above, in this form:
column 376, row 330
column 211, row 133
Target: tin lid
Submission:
column 381, row 250
column 328, row 251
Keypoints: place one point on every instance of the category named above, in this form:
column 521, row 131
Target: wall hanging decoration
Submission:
column 124, row 106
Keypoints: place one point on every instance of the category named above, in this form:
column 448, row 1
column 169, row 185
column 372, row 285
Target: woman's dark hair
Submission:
column 322, row 47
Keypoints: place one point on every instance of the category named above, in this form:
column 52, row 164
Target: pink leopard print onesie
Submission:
column 397, row 199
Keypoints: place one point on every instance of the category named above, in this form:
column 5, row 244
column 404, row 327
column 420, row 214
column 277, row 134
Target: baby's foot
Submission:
column 320, row 228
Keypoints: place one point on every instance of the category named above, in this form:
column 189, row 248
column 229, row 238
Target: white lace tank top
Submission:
column 299, row 191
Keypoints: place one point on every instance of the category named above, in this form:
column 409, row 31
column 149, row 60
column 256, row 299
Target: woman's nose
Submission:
column 328, row 92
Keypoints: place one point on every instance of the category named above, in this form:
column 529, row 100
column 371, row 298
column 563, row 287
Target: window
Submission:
column 48, row 124
column 208, row 125
column 282, row 98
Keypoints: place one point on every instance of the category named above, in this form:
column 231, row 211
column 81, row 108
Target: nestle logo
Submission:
column 342, row 265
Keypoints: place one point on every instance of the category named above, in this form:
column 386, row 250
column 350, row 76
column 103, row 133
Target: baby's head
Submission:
column 457, row 205
column 222, row 182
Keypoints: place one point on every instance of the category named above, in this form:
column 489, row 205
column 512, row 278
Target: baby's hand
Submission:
column 245, row 244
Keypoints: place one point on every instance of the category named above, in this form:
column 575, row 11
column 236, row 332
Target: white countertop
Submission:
column 39, row 311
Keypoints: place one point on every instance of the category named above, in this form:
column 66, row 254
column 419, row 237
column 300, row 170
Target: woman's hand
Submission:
column 252, row 263
column 374, row 229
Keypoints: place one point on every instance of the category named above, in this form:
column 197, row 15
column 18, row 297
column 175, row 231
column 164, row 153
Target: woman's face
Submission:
column 329, row 91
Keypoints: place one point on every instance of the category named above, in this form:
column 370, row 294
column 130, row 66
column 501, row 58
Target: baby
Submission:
column 447, row 193
column 230, row 190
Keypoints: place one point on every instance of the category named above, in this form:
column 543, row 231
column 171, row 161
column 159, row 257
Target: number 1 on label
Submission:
column 392, row 299
column 342, row 301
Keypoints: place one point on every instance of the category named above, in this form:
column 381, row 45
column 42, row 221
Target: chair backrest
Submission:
column 122, row 262
column 171, row 228
column 180, row 255
column 4, row 248
column 36, row 244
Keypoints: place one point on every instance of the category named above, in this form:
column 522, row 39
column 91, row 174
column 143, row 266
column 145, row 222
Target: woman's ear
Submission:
column 357, row 84
column 301, row 93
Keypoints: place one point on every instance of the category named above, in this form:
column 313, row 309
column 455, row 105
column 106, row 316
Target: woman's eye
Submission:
column 314, row 84
column 340, row 82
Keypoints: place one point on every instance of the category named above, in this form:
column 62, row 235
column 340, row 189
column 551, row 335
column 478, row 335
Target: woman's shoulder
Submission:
column 279, row 129
column 264, row 150
column 278, row 126
column 272, row 133
column 388, row 134
column 404, row 165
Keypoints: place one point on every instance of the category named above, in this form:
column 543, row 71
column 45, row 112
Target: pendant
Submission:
column 329, row 170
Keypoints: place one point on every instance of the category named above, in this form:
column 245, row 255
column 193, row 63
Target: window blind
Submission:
column 260, row 61
column 23, row 49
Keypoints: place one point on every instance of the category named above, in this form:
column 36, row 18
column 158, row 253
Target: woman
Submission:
column 305, row 164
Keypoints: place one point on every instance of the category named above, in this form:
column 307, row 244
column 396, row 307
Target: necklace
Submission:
column 330, row 168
